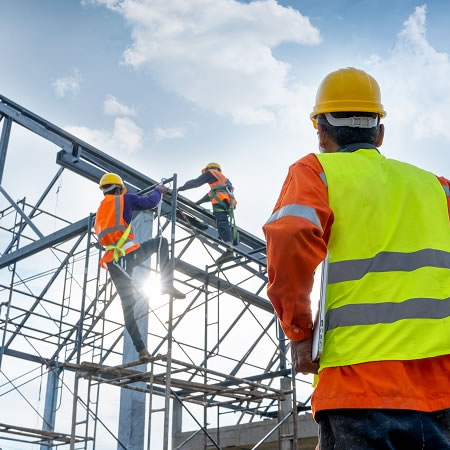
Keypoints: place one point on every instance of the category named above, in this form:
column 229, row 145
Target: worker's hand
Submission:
column 301, row 353
column 163, row 189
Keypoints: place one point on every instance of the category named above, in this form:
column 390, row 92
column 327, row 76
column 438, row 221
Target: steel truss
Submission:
column 220, row 350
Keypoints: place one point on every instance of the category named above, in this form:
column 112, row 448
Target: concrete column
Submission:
column 132, row 404
column 51, row 394
column 177, row 419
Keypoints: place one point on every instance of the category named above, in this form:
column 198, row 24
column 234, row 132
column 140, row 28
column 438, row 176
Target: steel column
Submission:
column 51, row 395
column 6, row 131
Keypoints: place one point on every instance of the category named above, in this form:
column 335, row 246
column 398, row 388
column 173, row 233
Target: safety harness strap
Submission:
column 117, row 248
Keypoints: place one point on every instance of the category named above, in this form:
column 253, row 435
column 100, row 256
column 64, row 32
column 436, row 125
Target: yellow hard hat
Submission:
column 111, row 178
column 349, row 90
column 212, row 165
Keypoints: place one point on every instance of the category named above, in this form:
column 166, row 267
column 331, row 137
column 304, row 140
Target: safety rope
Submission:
column 224, row 208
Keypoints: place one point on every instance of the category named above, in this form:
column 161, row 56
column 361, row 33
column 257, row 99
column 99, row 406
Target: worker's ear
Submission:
column 380, row 136
column 326, row 144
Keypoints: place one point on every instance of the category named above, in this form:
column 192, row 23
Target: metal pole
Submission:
column 8, row 308
column 294, row 412
column 196, row 421
column 83, row 296
column 271, row 431
column 170, row 324
column 74, row 412
column 285, row 383
column 205, row 357
column 6, row 131
column 150, row 407
column 80, row 336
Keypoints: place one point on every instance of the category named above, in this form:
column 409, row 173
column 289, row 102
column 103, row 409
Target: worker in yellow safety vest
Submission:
column 384, row 370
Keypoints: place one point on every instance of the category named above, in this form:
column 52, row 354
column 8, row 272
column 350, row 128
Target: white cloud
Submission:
column 169, row 133
column 414, row 80
column 217, row 54
column 69, row 84
column 114, row 107
column 125, row 136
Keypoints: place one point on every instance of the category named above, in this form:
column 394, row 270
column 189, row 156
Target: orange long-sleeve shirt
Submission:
column 295, row 247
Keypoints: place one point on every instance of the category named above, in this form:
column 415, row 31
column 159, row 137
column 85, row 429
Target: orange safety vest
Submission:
column 111, row 227
column 220, row 191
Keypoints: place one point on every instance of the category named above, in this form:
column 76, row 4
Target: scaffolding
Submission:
column 218, row 358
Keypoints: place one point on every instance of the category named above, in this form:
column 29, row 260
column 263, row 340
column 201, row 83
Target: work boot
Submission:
column 224, row 257
column 175, row 293
column 144, row 354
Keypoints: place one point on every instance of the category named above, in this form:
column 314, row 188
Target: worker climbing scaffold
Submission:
column 221, row 195
column 122, row 254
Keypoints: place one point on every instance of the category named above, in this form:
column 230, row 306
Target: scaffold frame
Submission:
column 76, row 333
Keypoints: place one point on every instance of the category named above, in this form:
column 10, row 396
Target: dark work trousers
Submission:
column 383, row 429
column 125, row 286
column 223, row 224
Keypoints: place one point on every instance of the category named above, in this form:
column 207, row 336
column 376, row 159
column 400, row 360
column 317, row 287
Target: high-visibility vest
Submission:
column 112, row 230
column 221, row 192
column 388, row 291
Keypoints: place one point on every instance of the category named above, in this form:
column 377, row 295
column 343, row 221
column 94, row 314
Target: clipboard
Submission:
column 319, row 323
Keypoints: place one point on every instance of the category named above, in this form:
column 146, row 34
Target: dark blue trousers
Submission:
column 383, row 429
column 223, row 225
column 121, row 275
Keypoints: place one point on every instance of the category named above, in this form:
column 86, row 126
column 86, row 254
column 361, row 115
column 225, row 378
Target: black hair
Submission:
column 112, row 191
column 348, row 135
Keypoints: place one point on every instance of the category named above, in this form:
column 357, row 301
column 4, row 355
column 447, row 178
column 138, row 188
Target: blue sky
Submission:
column 178, row 84
column 227, row 81
column 169, row 85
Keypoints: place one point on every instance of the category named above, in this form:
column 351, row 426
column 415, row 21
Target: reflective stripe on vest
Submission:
column 389, row 274
column 296, row 210
column 117, row 216
column 387, row 262
column 112, row 230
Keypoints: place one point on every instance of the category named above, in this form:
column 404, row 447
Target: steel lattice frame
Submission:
column 220, row 349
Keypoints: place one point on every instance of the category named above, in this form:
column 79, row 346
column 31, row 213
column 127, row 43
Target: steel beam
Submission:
column 223, row 285
column 51, row 240
column 91, row 163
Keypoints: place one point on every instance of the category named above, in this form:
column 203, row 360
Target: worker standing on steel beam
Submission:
column 221, row 195
column 384, row 369
column 113, row 228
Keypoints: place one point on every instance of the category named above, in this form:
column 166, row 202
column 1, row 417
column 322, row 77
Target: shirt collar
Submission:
column 358, row 146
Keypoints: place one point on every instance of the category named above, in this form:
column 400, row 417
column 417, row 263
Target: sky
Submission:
column 167, row 86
